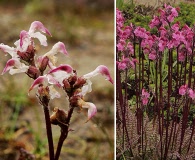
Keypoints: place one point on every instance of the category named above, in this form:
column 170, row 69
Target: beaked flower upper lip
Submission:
column 101, row 69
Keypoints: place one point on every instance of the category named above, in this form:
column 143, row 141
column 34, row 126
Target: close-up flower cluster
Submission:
column 49, row 78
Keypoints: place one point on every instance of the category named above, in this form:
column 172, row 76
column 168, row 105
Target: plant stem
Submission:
column 49, row 132
column 64, row 133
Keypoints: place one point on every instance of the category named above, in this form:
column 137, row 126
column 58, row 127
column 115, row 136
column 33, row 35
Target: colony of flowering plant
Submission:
column 48, row 78
column 156, row 84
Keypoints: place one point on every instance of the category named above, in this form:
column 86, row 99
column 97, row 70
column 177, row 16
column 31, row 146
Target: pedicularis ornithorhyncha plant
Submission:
column 47, row 76
column 155, row 88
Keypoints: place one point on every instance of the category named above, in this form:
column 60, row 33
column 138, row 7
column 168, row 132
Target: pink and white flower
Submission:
column 26, row 37
column 15, row 66
column 62, row 72
column 92, row 110
column 103, row 70
column 57, row 48
column 46, row 80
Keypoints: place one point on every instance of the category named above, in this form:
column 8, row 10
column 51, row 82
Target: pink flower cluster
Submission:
column 166, row 16
column 184, row 90
column 24, row 60
column 170, row 36
column 123, row 45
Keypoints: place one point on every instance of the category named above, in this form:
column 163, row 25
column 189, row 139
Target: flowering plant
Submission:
column 47, row 77
column 159, row 86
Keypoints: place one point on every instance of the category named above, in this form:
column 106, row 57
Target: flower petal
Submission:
column 57, row 48
column 10, row 64
column 42, row 38
column 191, row 93
column 92, row 110
column 8, row 49
column 44, row 79
column 103, row 70
column 23, row 35
column 37, row 25
column 183, row 89
column 14, row 62
column 66, row 68
column 53, row 93
column 37, row 82
column 52, row 80
column 86, row 88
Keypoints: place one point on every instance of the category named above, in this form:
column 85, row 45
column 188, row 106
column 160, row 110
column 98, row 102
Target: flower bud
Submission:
column 28, row 56
column 44, row 63
column 72, row 79
column 66, row 84
column 74, row 101
column 33, row 72
column 58, row 116
column 79, row 83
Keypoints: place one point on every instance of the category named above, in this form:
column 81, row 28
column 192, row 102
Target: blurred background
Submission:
column 86, row 27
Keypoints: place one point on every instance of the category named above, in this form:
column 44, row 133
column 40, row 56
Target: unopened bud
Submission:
column 44, row 63
column 66, row 84
column 28, row 56
column 31, row 50
column 72, row 79
column 79, row 83
column 33, row 72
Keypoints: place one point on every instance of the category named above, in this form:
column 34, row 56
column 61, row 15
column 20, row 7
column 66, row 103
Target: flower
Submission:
column 183, row 89
column 92, row 110
column 152, row 55
column 191, row 93
column 7, row 49
column 123, row 64
column 121, row 45
column 47, row 79
column 15, row 66
column 61, row 72
column 141, row 32
column 155, row 22
column 57, row 48
column 26, row 37
column 145, row 97
column 101, row 69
